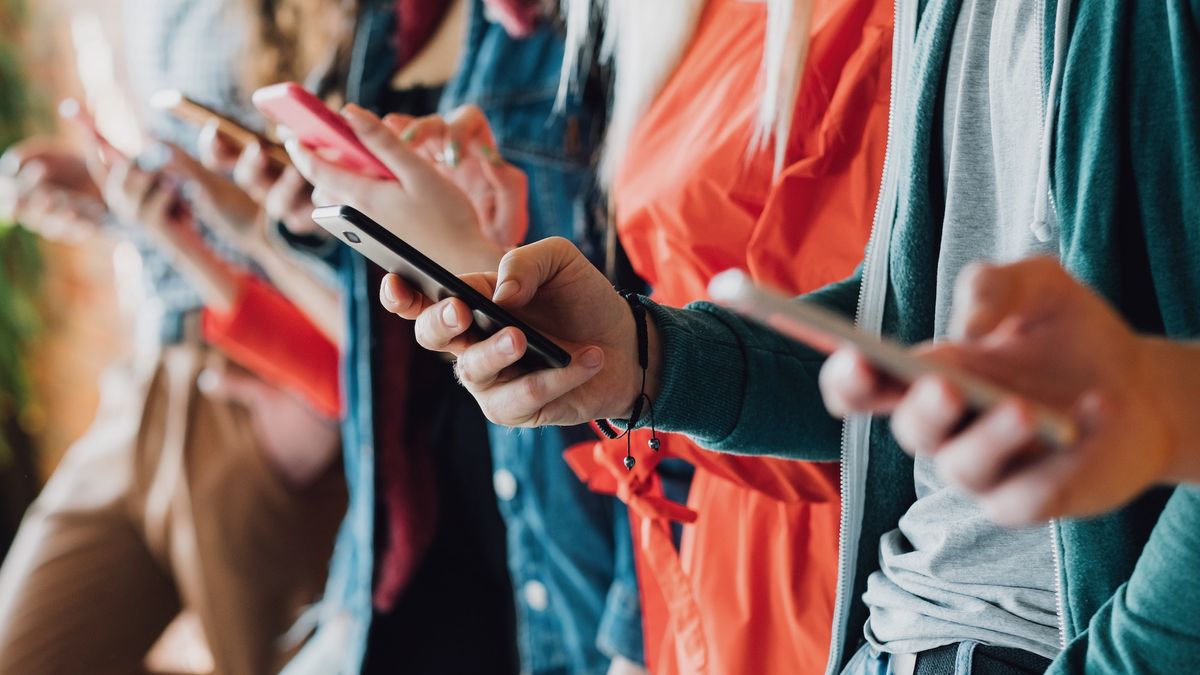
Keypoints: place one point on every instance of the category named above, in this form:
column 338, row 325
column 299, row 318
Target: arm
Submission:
column 736, row 386
column 1149, row 626
column 268, row 335
column 729, row 383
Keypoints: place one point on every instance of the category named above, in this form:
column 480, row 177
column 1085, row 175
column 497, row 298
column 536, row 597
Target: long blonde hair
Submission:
column 644, row 41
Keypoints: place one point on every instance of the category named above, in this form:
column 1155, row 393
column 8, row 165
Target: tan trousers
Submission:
column 166, row 503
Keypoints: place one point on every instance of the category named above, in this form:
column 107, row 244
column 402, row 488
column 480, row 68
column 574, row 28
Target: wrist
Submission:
column 1172, row 371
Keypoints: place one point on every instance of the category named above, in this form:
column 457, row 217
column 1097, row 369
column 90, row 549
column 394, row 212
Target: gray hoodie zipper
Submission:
column 869, row 317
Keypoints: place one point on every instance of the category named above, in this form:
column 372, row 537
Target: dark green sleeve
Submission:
column 739, row 387
column 1150, row 625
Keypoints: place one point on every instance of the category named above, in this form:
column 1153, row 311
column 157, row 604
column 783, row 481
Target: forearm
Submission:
column 321, row 304
column 212, row 278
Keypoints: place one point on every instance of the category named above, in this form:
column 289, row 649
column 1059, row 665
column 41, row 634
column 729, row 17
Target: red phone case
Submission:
column 318, row 128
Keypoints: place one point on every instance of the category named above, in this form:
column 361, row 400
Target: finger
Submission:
column 157, row 204
column 395, row 154
column 985, row 295
column 1039, row 491
column 468, row 127
column 422, row 130
column 510, row 215
column 288, row 194
column 850, row 385
column 927, row 415
column 532, row 400
column 216, row 150
column 524, row 270
column 401, row 299
column 978, row 458
column 480, row 366
column 443, row 326
column 398, row 124
column 332, row 184
column 253, row 172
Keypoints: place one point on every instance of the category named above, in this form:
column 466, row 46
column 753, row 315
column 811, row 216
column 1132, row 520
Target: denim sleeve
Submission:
column 620, row 632
column 1149, row 626
column 736, row 386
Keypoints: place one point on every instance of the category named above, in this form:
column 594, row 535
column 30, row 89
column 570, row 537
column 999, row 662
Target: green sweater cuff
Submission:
column 703, row 376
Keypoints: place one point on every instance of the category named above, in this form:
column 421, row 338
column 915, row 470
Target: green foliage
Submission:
column 20, row 264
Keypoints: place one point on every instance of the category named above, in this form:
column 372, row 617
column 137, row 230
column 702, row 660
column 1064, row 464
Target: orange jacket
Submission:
column 751, row 590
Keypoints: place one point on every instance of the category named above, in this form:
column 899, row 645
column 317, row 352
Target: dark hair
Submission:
column 293, row 39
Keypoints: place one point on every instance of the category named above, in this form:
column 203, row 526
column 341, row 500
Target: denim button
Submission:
column 505, row 484
column 535, row 595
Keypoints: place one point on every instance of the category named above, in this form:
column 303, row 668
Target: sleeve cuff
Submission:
column 703, row 375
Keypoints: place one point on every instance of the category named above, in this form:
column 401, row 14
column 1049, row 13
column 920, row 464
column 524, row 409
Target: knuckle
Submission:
column 533, row 388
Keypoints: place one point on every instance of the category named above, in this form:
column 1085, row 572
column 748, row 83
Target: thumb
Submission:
column 524, row 270
column 986, row 295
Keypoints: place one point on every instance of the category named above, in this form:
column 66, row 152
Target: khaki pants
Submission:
column 166, row 503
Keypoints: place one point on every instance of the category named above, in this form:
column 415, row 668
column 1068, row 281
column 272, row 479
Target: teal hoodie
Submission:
column 1125, row 190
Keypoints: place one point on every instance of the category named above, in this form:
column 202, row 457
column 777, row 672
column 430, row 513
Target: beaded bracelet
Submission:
column 642, row 402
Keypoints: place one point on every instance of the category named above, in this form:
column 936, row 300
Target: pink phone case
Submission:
column 318, row 127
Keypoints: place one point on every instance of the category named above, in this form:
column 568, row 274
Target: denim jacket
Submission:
column 569, row 550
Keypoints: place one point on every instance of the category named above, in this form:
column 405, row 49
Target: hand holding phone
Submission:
column 394, row 255
column 317, row 127
column 826, row 331
column 174, row 102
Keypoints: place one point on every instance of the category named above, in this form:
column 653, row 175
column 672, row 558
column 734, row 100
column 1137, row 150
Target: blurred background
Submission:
column 61, row 319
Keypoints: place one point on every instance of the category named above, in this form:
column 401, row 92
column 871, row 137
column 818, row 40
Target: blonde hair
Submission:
column 644, row 41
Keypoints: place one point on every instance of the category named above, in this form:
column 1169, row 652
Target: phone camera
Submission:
column 352, row 238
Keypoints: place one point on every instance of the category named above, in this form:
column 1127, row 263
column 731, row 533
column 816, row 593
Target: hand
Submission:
column 551, row 285
column 421, row 206
column 52, row 191
column 299, row 443
column 462, row 147
column 149, row 199
column 1032, row 329
column 221, row 204
column 281, row 191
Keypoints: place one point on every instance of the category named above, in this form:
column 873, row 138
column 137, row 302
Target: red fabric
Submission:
column 405, row 477
column 751, row 589
column 268, row 335
column 416, row 22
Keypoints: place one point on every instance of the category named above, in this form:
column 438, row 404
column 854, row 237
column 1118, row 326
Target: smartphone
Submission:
column 319, row 128
column 393, row 254
column 174, row 102
column 826, row 331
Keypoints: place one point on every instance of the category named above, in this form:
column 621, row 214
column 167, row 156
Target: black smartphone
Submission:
column 394, row 255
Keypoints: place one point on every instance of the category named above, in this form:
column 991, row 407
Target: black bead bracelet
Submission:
column 642, row 403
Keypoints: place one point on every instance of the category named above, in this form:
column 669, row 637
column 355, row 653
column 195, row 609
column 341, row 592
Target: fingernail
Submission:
column 450, row 315
column 453, row 154
column 388, row 296
column 408, row 135
column 592, row 358
column 506, row 290
column 507, row 344
column 354, row 115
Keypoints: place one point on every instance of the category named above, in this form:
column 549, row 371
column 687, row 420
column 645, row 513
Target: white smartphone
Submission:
column 826, row 331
